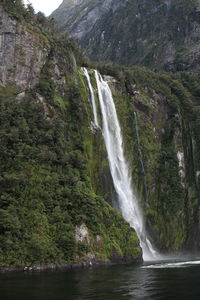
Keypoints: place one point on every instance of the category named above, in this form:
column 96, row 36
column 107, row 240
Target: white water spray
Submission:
column 122, row 179
column 95, row 123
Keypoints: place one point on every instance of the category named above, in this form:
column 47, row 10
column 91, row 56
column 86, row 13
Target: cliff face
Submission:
column 56, row 192
column 49, row 210
column 163, row 111
column 158, row 34
column 22, row 53
column 80, row 16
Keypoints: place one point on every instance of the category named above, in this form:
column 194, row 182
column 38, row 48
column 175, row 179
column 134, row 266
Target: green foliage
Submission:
column 52, row 167
column 45, row 188
column 167, row 107
column 121, row 241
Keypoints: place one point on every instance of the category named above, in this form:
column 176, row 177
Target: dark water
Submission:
column 106, row 283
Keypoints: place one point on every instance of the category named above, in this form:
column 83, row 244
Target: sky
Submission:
column 45, row 6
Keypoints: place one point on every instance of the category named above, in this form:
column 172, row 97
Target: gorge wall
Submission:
column 57, row 195
column 49, row 210
column 160, row 34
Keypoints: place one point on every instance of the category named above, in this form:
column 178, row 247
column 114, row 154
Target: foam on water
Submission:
column 165, row 265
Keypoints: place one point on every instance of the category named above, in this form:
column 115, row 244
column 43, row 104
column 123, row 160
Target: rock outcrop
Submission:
column 22, row 52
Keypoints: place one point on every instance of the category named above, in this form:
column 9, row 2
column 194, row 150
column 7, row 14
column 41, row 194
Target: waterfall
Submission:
column 119, row 168
column 95, row 124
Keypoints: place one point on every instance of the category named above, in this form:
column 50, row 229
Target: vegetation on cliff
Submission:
column 54, row 171
column 46, row 193
column 167, row 107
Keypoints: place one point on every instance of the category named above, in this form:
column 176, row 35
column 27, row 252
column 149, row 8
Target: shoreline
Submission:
column 63, row 267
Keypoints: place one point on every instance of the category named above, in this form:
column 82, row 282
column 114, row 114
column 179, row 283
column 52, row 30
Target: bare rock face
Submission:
column 79, row 16
column 22, row 53
column 82, row 234
column 157, row 34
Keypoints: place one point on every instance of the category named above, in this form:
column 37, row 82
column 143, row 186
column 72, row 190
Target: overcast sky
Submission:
column 45, row 6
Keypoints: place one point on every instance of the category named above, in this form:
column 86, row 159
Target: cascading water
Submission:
column 95, row 123
column 122, row 180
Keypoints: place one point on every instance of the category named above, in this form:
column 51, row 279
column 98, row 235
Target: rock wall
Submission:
column 23, row 52
column 55, row 178
column 47, row 189
column 165, row 167
column 157, row 34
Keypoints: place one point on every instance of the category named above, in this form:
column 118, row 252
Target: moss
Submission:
column 63, row 104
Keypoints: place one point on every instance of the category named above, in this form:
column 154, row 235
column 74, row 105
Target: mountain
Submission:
column 51, row 211
column 58, row 203
column 160, row 34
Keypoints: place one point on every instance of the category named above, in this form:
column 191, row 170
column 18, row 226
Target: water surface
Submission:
column 154, row 281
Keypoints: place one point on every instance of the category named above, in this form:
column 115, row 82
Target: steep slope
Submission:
column 56, row 191
column 154, row 33
column 49, row 211
column 159, row 115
